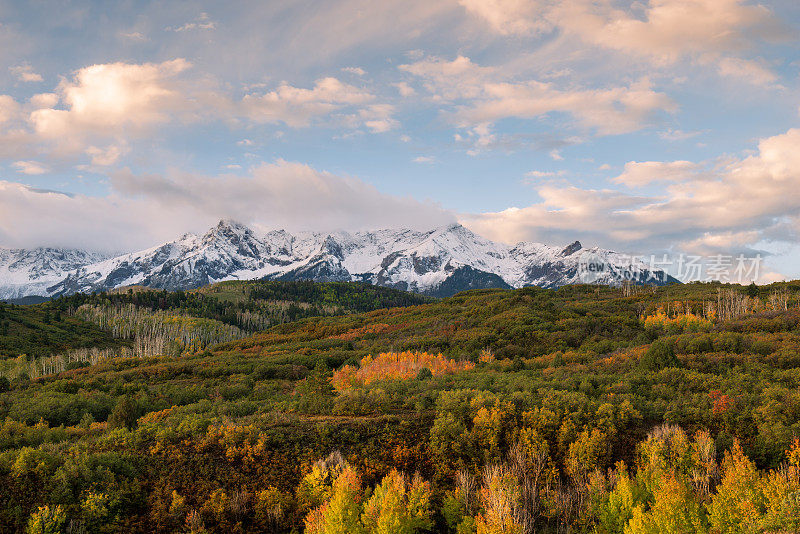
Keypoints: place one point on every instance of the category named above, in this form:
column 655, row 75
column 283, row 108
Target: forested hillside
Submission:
column 583, row 409
column 83, row 329
column 44, row 330
column 254, row 305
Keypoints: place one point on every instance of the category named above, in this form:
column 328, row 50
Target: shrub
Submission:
column 660, row 355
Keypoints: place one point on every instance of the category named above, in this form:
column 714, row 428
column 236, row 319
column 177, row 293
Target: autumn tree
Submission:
column 398, row 505
column 341, row 514
column 739, row 502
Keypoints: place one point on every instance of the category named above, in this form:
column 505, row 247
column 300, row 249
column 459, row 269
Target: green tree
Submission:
column 315, row 393
column 659, row 356
column 124, row 414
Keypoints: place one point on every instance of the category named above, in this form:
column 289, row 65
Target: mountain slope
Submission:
column 25, row 272
column 439, row 262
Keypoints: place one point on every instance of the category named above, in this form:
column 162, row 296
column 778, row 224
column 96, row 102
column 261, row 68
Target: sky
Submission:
column 647, row 127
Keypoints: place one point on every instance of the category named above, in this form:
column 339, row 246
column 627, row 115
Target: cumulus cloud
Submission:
column 358, row 71
column 9, row 109
column 25, row 73
column 30, row 167
column 456, row 79
column 736, row 204
column 637, row 173
column 298, row 107
column 404, row 89
column 114, row 96
column 101, row 109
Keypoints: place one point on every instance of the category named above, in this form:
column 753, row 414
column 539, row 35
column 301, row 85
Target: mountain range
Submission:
column 439, row 262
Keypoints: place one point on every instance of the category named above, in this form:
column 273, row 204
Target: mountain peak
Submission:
column 453, row 227
column 571, row 249
column 227, row 229
column 225, row 223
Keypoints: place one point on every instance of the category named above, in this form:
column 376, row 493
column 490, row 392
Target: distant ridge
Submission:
column 439, row 262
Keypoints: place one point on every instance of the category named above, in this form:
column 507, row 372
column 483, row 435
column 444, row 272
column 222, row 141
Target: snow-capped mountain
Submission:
column 26, row 272
column 438, row 262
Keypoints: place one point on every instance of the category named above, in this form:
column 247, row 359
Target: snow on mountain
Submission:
column 26, row 272
column 439, row 262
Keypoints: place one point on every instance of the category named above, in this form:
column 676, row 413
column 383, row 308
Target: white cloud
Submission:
column 378, row 118
column 755, row 72
column 670, row 29
column 202, row 22
column 424, row 159
column 9, row 109
column 544, row 174
column 678, row 135
column 104, row 99
column 358, row 71
column 456, row 79
column 44, row 100
column 30, row 167
column 146, row 209
column 737, row 203
column 637, row 174
column 102, row 109
column 404, row 89
column 297, row 107
column 25, row 73
column 481, row 97
column 512, row 16
column 105, row 157
column 134, row 36
column 662, row 31
column 609, row 111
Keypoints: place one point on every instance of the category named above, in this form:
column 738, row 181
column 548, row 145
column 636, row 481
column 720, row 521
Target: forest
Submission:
column 582, row 409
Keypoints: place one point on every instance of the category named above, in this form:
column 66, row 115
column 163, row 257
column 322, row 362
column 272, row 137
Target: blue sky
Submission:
column 648, row 127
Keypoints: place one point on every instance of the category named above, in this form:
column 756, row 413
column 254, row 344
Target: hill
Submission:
column 42, row 330
column 536, row 394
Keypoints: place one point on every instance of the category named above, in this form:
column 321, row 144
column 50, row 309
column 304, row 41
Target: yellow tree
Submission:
column 398, row 506
column 674, row 510
column 340, row 515
column 739, row 502
column 781, row 490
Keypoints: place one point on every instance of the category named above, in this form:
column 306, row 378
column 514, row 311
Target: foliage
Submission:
column 397, row 366
column 540, row 410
